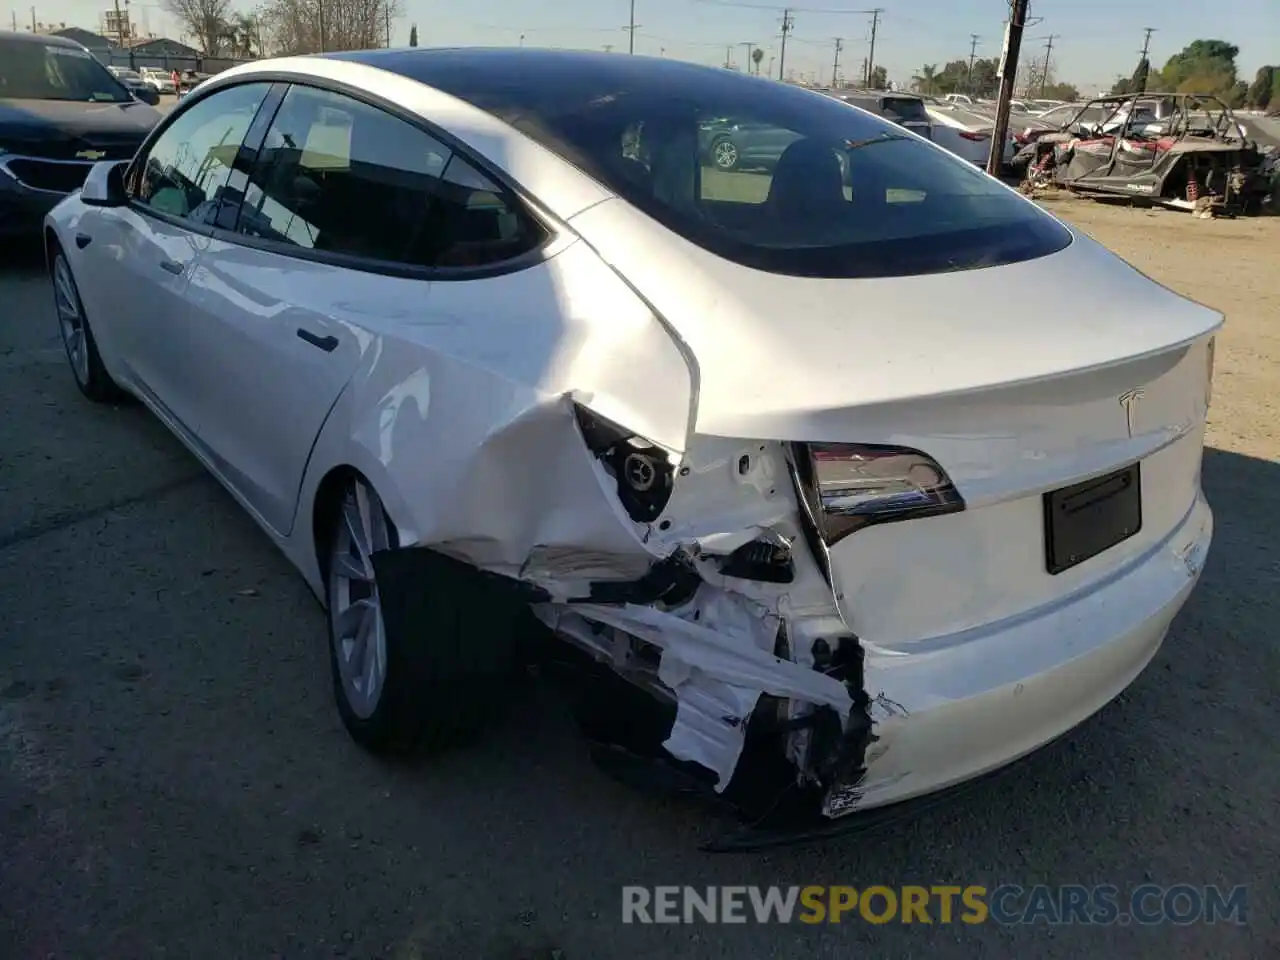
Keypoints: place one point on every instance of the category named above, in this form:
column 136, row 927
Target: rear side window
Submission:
column 774, row 177
column 340, row 176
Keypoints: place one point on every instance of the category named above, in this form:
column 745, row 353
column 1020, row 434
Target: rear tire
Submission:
column 402, row 694
column 91, row 376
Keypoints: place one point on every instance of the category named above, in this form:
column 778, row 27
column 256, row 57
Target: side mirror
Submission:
column 104, row 186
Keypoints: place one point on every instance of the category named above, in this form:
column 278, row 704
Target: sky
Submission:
column 1093, row 40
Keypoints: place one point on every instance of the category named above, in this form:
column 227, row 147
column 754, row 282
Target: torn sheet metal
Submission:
column 717, row 669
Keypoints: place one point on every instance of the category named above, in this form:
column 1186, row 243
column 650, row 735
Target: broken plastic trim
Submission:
column 847, row 487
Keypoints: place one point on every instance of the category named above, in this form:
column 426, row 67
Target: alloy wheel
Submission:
column 725, row 155
column 71, row 320
column 358, row 635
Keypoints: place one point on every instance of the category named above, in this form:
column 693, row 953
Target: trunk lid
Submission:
column 1012, row 378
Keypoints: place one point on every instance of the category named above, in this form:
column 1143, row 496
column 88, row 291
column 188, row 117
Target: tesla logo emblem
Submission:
column 90, row 155
column 1129, row 400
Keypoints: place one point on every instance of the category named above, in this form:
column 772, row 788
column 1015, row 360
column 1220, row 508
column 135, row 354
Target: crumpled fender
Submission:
column 461, row 416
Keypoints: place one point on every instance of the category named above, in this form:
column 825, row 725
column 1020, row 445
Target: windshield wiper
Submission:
column 852, row 145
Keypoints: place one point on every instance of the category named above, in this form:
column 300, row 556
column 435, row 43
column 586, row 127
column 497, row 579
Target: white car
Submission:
column 967, row 134
column 162, row 80
column 755, row 443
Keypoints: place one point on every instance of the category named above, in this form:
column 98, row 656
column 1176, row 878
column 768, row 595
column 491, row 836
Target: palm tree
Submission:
column 756, row 56
column 924, row 80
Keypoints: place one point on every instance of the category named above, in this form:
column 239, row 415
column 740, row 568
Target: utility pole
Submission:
column 33, row 19
column 1008, row 74
column 386, row 6
column 835, row 65
column 750, row 45
column 631, row 29
column 1044, row 74
column 1146, row 45
column 728, row 57
column 320, row 4
column 13, row 16
column 871, row 52
column 119, row 26
column 973, row 53
column 788, row 23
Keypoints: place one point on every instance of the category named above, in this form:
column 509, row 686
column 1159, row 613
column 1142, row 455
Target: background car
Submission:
column 967, row 133
column 753, row 449
column 905, row 109
column 136, row 85
column 60, row 112
column 159, row 78
column 732, row 144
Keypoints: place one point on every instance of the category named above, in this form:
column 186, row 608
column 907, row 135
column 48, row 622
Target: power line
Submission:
column 1048, row 50
column 835, row 65
column 1146, row 40
column 1008, row 75
column 871, row 53
column 788, row 24
column 973, row 52
column 631, row 29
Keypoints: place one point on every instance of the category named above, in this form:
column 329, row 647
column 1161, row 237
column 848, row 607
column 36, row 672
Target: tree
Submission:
column 1264, row 82
column 926, row 79
column 413, row 35
column 240, row 34
column 307, row 26
column 879, row 78
column 1141, row 74
column 983, row 81
column 206, row 20
column 1062, row 91
column 1203, row 66
column 757, row 55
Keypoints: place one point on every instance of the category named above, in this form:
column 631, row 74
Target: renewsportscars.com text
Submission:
column 1007, row 904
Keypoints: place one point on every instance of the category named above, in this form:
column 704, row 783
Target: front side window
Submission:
column 45, row 71
column 185, row 172
column 340, row 176
column 773, row 177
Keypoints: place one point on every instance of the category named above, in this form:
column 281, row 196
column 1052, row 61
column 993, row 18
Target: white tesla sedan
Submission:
column 474, row 332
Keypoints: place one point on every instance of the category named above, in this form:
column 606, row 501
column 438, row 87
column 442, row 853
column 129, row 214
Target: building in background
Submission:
column 117, row 24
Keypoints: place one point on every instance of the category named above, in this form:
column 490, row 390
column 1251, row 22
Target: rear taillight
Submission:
column 977, row 137
column 854, row 486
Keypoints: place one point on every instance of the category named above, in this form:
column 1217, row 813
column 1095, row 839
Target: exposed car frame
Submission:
column 1186, row 151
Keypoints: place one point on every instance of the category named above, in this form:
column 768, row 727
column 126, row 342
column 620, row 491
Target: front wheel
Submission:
column 77, row 338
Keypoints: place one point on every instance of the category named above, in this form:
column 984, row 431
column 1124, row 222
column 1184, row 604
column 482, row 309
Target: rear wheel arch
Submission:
column 324, row 508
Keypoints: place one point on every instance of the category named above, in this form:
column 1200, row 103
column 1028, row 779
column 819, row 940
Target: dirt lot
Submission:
column 174, row 780
column 1230, row 265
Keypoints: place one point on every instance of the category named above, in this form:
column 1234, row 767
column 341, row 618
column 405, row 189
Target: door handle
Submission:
column 327, row 344
column 172, row 266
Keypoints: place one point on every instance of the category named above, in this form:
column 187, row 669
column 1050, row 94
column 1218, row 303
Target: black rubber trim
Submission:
column 327, row 344
column 280, row 81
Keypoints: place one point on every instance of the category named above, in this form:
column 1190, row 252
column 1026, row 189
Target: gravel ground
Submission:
column 175, row 782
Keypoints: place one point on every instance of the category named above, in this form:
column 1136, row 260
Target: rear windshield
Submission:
column 38, row 71
column 771, row 176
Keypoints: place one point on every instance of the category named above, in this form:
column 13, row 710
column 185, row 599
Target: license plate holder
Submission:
column 1086, row 518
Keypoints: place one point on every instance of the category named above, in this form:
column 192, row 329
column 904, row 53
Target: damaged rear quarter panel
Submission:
column 460, row 413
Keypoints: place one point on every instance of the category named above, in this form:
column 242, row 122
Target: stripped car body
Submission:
column 832, row 538
column 1182, row 150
